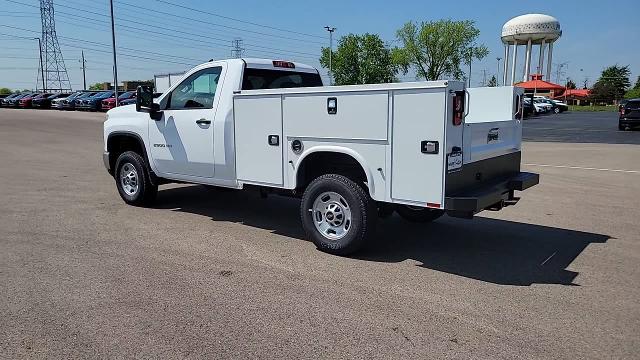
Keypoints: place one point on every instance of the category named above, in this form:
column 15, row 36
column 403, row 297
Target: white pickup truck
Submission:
column 352, row 153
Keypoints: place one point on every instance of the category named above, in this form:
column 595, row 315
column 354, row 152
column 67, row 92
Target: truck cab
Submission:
column 352, row 153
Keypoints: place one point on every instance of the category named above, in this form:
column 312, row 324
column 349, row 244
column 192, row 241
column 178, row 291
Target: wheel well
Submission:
column 326, row 162
column 117, row 144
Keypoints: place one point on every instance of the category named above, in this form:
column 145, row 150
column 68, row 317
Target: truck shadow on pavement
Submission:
column 496, row 251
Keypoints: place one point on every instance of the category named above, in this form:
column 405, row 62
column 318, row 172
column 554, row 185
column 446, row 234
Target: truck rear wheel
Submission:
column 337, row 214
column 133, row 180
column 418, row 214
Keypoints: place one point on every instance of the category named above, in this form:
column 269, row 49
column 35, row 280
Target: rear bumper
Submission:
column 629, row 122
column 490, row 196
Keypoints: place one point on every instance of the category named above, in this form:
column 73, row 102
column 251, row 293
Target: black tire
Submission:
column 621, row 128
column 557, row 110
column 361, row 207
column 418, row 214
column 146, row 192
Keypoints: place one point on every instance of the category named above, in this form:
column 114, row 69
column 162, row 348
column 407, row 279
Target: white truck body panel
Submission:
column 366, row 117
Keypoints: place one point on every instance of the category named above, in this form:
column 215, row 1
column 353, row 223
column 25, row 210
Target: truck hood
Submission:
column 121, row 111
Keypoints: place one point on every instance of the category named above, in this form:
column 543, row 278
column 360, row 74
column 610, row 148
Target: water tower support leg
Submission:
column 505, row 73
column 527, row 64
column 549, row 62
column 515, row 60
column 541, row 59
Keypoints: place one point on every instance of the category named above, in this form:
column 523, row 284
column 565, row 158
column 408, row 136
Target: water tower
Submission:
column 530, row 29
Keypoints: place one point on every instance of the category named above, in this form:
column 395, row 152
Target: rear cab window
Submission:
column 258, row 79
column 633, row 105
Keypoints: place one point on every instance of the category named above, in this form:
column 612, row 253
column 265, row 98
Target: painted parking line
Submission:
column 572, row 129
column 585, row 168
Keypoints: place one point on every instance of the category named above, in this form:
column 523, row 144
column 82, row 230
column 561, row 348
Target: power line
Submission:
column 276, row 51
column 218, row 25
column 182, row 6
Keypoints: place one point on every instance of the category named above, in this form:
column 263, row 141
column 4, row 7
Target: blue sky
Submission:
column 156, row 37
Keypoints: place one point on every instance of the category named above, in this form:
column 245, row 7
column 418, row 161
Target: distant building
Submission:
column 127, row 85
column 575, row 96
column 537, row 86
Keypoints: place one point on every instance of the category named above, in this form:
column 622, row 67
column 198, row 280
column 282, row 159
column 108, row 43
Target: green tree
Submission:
column 612, row 84
column 438, row 48
column 570, row 84
column 493, row 82
column 96, row 86
column 603, row 92
column 634, row 92
column 5, row 91
column 361, row 59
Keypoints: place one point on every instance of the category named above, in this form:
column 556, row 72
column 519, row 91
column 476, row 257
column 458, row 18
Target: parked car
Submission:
column 71, row 102
column 321, row 144
column 110, row 103
column 562, row 107
column 537, row 107
column 629, row 115
column 5, row 101
column 26, row 101
column 44, row 102
column 94, row 102
column 528, row 108
column 15, row 101
column 128, row 101
column 541, row 103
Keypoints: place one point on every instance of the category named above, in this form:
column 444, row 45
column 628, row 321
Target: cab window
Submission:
column 257, row 79
column 197, row 91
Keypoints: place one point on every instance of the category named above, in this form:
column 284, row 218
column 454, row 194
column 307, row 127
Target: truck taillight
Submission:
column 458, row 108
column 284, row 64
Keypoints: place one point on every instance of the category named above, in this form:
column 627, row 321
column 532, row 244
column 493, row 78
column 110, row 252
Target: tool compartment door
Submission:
column 418, row 116
column 258, row 139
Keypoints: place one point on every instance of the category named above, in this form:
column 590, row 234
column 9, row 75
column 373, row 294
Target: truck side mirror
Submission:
column 144, row 100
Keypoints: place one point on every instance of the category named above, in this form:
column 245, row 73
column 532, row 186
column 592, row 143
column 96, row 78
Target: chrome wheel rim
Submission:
column 129, row 179
column 331, row 215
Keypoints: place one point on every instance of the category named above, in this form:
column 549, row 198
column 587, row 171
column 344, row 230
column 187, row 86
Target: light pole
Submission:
column 115, row 63
column 330, row 30
column 84, row 75
column 498, row 71
column 44, row 87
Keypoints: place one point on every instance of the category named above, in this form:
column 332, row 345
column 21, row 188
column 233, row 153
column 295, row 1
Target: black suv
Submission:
column 629, row 115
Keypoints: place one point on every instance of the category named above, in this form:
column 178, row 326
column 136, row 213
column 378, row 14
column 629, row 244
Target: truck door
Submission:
column 182, row 140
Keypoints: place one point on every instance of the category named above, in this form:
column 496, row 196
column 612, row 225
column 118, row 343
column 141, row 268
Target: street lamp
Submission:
column 330, row 30
column 115, row 63
column 498, row 71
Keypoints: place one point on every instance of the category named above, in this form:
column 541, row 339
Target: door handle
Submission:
column 203, row 122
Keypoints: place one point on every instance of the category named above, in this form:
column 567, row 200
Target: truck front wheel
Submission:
column 133, row 180
column 418, row 214
column 337, row 214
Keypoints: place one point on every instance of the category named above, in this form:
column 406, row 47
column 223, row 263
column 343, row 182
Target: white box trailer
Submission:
column 162, row 82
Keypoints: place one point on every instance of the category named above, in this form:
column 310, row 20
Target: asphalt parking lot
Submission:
column 214, row 274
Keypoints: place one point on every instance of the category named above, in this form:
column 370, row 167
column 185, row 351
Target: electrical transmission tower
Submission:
column 54, row 71
column 236, row 48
